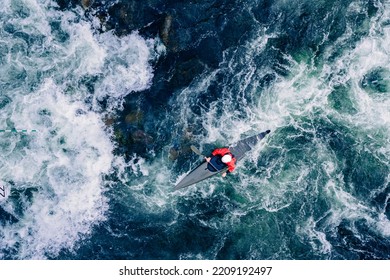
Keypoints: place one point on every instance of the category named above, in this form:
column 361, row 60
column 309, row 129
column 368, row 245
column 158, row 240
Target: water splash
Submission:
column 55, row 69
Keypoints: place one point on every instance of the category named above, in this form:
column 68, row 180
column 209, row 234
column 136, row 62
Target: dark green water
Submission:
column 99, row 106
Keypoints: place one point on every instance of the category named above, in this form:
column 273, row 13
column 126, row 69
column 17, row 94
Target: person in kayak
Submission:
column 226, row 157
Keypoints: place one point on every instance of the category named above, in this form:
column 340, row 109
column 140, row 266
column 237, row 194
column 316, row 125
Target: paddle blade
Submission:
column 195, row 150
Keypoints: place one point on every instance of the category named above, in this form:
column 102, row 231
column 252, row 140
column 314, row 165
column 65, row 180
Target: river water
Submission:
column 101, row 100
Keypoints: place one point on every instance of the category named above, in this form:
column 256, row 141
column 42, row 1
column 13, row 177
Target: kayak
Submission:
column 206, row 170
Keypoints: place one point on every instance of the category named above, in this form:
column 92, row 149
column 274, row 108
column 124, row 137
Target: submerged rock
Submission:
column 109, row 121
column 165, row 30
column 173, row 153
column 134, row 118
column 182, row 145
column 87, row 3
column 186, row 71
column 140, row 136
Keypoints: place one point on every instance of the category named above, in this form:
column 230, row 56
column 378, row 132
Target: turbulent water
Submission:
column 101, row 100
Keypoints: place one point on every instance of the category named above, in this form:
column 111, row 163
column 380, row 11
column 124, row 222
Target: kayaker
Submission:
column 226, row 157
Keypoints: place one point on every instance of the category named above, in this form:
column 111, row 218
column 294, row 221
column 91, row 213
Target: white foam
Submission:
column 370, row 53
column 61, row 165
column 127, row 66
column 317, row 238
column 66, row 167
column 383, row 225
column 146, row 182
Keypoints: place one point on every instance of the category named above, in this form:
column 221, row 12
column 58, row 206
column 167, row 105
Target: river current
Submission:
column 101, row 100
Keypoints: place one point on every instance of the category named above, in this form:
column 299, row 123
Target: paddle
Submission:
column 196, row 151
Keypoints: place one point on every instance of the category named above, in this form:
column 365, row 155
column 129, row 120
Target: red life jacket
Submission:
column 223, row 151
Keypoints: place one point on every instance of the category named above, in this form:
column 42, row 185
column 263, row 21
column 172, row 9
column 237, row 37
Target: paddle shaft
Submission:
column 196, row 151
